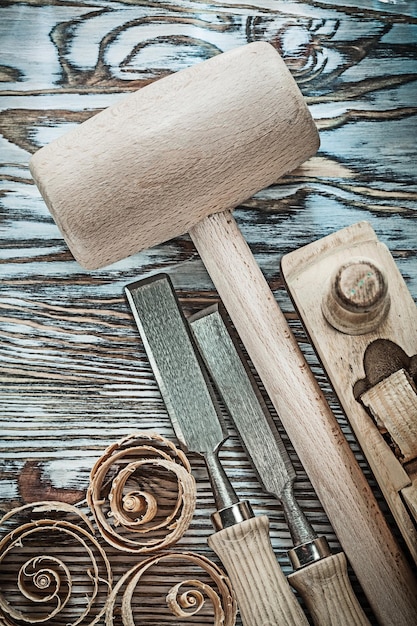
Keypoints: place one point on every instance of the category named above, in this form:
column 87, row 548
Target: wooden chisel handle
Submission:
column 326, row 590
column 262, row 591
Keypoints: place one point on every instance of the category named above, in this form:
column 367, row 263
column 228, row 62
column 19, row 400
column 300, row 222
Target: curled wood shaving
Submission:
column 393, row 405
column 142, row 493
column 210, row 600
column 52, row 569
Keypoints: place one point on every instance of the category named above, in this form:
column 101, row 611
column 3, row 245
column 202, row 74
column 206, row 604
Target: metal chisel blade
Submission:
column 177, row 366
column 253, row 421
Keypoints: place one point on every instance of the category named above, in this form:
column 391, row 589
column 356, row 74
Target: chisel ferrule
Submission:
column 309, row 552
column 230, row 515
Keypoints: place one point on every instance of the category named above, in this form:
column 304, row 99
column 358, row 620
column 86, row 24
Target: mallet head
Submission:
column 191, row 144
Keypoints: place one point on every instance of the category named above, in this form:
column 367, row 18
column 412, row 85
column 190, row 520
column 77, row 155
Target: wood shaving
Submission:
column 142, row 493
column 210, row 601
column 54, row 571
column 59, row 563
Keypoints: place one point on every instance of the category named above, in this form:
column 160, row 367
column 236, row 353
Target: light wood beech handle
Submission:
column 379, row 564
column 263, row 594
column 326, row 590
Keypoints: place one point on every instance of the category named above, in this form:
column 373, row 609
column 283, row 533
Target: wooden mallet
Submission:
column 176, row 157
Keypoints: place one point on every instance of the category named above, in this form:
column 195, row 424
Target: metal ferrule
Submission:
column 231, row 515
column 309, row 552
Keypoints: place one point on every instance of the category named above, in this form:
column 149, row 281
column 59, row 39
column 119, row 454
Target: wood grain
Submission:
column 73, row 376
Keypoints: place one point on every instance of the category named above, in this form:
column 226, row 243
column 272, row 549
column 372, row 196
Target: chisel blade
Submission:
column 253, row 421
column 177, row 366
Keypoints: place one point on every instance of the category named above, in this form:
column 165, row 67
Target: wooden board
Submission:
column 74, row 377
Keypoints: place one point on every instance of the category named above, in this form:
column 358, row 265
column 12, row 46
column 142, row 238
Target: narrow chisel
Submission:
column 241, row 540
column 320, row 577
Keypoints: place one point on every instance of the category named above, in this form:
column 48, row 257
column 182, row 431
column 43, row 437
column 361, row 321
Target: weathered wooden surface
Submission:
column 74, row 377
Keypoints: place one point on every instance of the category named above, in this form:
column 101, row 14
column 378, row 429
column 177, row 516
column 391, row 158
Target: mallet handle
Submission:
column 380, row 566
column 245, row 550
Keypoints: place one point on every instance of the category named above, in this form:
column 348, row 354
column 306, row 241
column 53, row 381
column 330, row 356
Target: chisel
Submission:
column 320, row 577
column 241, row 540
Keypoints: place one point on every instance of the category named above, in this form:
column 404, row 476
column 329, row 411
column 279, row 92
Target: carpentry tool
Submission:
column 177, row 155
column 362, row 321
column 242, row 540
column 321, row 578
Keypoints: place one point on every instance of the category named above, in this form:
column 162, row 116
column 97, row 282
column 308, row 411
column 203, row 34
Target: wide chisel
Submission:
column 241, row 540
column 320, row 577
